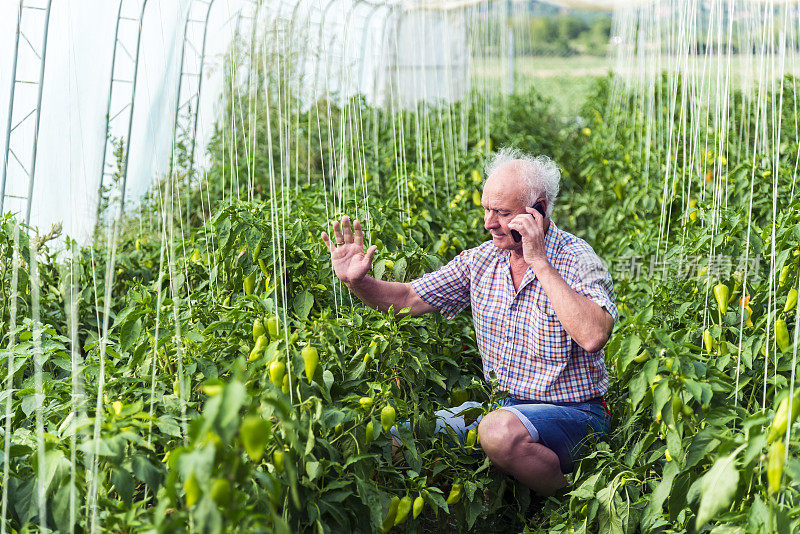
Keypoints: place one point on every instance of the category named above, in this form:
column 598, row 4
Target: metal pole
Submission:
column 10, row 110
column 130, row 122
column 38, row 114
column 108, row 111
column 367, row 21
column 321, row 29
column 200, row 87
column 180, row 83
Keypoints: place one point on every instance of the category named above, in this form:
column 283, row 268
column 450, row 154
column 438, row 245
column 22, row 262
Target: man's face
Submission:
column 501, row 201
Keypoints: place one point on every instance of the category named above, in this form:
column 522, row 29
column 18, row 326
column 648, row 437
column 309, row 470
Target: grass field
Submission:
column 566, row 80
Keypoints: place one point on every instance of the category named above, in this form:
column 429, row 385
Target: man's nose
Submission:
column 490, row 220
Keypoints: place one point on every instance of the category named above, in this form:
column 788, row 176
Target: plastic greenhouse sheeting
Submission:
column 390, row 53
column 75, row 91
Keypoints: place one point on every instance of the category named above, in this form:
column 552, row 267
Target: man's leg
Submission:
column 509, row 446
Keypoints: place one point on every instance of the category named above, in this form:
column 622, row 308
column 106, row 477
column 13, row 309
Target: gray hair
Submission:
column 541, row 174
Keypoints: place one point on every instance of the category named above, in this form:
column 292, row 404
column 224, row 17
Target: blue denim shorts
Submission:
column 561, row 427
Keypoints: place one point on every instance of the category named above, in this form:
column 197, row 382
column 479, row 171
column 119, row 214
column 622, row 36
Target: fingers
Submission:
column 358, row 235
column 536, row 215
column 519, row 223
column 536, row 221
column 327, row 241
column 371, row 253
column 347, row 230
column 337, row 233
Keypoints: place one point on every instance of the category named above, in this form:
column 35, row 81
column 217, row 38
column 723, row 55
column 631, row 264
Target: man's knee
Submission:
column 501, row 435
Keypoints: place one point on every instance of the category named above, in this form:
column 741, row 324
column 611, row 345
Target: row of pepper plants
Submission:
column 704, row 393
column 245, row 389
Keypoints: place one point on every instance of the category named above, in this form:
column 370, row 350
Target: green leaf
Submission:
column 702, row 443
column 129, row 333
column 638, row 388
column 400, row 267
column 303, row 302
column 660, row 494
column 148, row 472
column 371, row 498
column 718, row 489
column 313, row 470
column 629, row 350
column 123, row 483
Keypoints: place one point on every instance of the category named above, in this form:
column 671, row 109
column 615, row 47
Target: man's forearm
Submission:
column 586, row 322
column 381, row 294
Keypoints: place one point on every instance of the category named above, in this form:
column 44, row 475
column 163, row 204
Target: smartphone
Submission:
column 538, row 207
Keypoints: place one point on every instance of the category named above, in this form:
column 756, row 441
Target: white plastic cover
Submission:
column 76, row 84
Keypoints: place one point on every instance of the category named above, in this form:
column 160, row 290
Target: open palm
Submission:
column 350, row 262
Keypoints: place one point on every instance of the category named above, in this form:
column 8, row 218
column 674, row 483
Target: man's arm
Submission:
column 383, row 295
column 351, row 265
column 586, row 322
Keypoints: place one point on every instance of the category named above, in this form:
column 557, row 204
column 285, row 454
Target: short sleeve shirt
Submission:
column 519, row 336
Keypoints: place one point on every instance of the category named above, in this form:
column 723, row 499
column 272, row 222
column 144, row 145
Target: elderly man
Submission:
column 543, row 309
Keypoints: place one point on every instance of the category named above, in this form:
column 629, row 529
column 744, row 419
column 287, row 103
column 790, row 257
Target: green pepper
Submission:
column 472, row 437
column 738, row 279
column 277, row 370
column 677, row 406
column 775, row 461
column 455, row 494
column 722, row 294
column 221, row 491
column 783, row 276
column 403, row 509
column 791, row 301
column 263, row 267
column 708, row 340
column 458, row 396
column 310, row 358
column 419, row 503
column 781, row 420
column 258, row 328
column 782, row 335
column 277, row 460
column 192, row 490
column 259, row 347
column 254, row 433
column 388, row 416
column 249, row 283
column 388, row 521
column 272, row 326
column 369, row 431
column 365, row 402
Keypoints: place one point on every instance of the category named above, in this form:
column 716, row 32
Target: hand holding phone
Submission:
column 538, row 207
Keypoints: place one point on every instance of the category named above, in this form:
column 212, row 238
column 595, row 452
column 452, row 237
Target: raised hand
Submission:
column 350, row 263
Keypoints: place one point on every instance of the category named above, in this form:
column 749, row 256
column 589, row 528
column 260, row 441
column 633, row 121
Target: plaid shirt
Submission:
column 519, row 335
